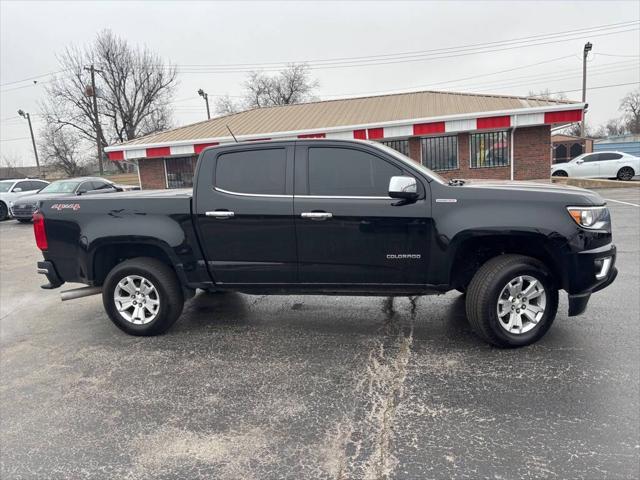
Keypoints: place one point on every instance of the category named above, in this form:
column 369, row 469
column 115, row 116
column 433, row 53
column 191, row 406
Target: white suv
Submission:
column 12, row 189
column 618, row 165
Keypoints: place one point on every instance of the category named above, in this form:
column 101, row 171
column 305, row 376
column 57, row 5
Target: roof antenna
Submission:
column 234, row 137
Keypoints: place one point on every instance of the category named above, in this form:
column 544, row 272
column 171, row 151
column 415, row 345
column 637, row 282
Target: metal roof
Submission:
column 351, row 111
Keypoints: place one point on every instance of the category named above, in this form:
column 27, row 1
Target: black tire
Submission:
column 169, row 293
column 625, row 174
column 559, row 173
column 4, row 211
column 484, row 291
column 24, row 220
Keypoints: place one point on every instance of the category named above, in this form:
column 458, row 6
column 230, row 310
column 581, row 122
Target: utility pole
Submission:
column 587, row 48
column 204, row 95
column 24, row 114
column 93, row 93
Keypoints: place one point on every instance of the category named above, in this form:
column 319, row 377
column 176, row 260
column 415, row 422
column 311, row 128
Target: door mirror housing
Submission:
column 579, row 161
column 17, row 189
column 82, row 191
column 403, row 187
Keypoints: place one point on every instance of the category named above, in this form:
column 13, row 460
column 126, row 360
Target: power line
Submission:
column 596, row 88
column 616, row 55
column 33, row 78
column 429, row 85
column 424, row 52
column 458, row 52
column 13, row 139
column 400, row 57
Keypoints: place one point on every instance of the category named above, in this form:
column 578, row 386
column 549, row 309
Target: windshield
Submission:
column 5, row 186
column 62, row 186
column 418, row 166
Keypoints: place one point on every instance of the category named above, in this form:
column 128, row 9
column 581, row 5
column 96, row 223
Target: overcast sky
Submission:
column 214, row 33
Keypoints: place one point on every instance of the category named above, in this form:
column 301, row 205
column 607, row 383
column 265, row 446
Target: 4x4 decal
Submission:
column 65, row 206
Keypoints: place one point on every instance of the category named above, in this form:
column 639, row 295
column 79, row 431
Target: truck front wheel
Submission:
column 512, row 301
column 142, row 296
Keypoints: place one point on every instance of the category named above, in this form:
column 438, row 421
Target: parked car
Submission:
column 22, row 208
column 332, row 217
column 12, row 189
column 618, row 165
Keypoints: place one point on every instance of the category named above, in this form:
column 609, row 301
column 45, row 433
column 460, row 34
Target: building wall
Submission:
column 152, row 173
column 532, row 157
column 533, row 153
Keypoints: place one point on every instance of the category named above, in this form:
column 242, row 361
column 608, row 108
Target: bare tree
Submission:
column 226, row 106
column 9, row 166
column 134, row 89
column 292, row 85
column 546, row 94
column 630, row 105
column 61, row 149
column 289, row 86
column 613, row 127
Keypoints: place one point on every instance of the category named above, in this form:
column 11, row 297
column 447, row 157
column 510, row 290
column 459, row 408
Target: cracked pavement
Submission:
column 316, row 387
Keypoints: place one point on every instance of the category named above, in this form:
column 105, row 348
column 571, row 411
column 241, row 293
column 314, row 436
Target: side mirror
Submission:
column 579, row 161
column 82, row 191
column 403, row 187
column 17, row 189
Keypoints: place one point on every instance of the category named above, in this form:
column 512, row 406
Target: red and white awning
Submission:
column 525, row 117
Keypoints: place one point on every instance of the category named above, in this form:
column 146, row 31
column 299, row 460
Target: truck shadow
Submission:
column 433, row 319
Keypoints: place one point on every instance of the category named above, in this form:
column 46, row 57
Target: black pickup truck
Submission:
column 337, row 218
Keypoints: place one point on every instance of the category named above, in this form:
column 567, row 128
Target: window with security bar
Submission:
column 490, row 149
column 440, row 153
column 401, row 146
column 180, row 171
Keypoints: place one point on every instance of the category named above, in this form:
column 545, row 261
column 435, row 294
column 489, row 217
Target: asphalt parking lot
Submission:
column 317, row 387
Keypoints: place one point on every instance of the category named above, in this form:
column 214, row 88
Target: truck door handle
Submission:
column 316, row 215
column 221, row 214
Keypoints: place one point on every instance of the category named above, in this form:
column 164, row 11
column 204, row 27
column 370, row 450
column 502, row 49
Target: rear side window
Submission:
column 257, row 171
column 610, row 156
column 348, row 172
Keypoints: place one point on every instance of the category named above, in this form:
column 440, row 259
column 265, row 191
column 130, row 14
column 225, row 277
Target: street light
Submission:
column 24, row 114
column 587, row 48
column 204, row 95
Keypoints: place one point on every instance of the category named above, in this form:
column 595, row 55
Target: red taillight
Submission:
column 39, row 231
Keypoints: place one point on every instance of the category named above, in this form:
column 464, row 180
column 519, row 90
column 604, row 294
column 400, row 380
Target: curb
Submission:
column 594, row 183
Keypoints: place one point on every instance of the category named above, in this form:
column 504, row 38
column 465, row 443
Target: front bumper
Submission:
column 590, row 271
column 22, row 211
column 47, row 269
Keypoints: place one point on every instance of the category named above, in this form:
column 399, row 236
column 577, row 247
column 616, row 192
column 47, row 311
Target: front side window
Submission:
column 23, row 186
column 348, row 172
column 489, row 149
column 440, row 153
column 594, row 157
column 62, row 186
column 261, row 172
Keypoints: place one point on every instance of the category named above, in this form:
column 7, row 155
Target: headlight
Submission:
column 590, row 217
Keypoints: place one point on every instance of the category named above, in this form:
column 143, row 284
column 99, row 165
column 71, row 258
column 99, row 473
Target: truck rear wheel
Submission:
column 512, row 301
column 142, row 296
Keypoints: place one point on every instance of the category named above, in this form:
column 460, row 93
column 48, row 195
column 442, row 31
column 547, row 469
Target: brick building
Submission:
column 456, row 134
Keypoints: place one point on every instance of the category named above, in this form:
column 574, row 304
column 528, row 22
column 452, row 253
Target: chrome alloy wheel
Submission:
column 136, row 299
column 521, row 304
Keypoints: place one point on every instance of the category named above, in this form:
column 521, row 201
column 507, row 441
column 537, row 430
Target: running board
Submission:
column 79, row 293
